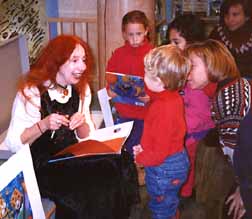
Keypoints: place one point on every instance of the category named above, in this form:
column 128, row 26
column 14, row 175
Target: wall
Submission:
column 83, row 9
column 77, row 8
column 13, row 62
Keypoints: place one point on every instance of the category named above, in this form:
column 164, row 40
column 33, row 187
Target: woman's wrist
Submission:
column 41, row 126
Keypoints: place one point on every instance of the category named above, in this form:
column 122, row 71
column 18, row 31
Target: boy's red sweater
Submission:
column 129, row 60
column 164, row 128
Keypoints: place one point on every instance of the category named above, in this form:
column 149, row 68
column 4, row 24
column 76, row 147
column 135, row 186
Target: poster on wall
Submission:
column 19, row 193
column 24, row 18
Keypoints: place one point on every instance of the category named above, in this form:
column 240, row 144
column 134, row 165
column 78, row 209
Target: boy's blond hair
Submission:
column 169, row 64
column 218, row 60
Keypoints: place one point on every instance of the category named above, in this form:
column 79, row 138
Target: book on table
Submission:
column 103, row 141
column 129, row 88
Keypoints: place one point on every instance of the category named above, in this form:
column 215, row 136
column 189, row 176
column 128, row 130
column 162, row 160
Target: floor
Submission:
column 141, row 210
column 190, row 209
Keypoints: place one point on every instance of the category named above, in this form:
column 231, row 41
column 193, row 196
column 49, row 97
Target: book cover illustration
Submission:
column 127, row 87
column 19, row 193
column 14, row 201
column 103, row 141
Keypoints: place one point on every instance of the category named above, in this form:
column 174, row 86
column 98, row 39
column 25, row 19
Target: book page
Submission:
column 105, row 107
column 104, row 141
column 129, row 88
column 112, row 132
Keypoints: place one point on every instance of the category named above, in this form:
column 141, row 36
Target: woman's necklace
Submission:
column 63, row 90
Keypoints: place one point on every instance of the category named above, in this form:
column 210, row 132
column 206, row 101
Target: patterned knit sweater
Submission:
column 239, row 43
column 230, row 105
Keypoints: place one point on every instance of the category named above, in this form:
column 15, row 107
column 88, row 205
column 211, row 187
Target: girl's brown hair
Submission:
column 136, row 17
column 55, row 54
column 218, row 60
column 169, row 64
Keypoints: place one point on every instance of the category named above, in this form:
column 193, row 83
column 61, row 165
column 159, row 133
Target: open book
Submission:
column 108, row 140
column 127, row 87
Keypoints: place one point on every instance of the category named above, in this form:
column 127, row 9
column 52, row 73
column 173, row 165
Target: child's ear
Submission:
column 161, row 83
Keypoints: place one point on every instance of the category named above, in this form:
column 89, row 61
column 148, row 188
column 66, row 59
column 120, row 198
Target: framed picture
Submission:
column 19, row 193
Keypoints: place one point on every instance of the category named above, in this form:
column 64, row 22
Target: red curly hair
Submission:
column 47, row 65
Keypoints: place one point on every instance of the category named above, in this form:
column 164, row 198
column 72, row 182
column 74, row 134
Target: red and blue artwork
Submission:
column 127, row 87
column 14, row 201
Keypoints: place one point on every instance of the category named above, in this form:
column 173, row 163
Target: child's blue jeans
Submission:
column 163, row 183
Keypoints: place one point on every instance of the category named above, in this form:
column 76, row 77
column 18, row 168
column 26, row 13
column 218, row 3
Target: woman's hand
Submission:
column 51, row 122
column 54, row 121
column 76, row 120
column 236, row 204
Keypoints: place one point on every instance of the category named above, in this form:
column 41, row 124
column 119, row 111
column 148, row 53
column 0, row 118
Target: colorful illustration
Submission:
column 14, row 201
column 128, row 88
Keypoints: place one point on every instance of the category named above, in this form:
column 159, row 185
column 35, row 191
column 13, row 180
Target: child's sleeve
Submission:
column 112, row 63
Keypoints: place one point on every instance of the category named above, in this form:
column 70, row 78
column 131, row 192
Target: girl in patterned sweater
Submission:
column 231, row 110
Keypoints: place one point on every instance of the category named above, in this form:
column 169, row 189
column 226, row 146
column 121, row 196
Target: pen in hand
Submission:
column 53, row 133
column 59, row 122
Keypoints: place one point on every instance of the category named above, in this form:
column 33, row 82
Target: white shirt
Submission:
column 26, row 113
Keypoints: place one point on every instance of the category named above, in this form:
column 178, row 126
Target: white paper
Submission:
column 112, row 132
column 105, row 107
column 4, row 154
column 22, row 162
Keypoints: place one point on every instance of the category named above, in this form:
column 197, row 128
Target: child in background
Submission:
column 182, row 31
column 161, row 151
column 235, row 32
column 128, row 59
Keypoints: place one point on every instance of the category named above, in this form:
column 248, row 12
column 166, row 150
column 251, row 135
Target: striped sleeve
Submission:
column 230, row 106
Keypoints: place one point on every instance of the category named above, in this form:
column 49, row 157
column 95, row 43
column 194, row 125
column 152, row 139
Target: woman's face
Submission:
column 235, row 17
column 135, row 34
column 71, row 71
column 198, row 76
column 176, row 39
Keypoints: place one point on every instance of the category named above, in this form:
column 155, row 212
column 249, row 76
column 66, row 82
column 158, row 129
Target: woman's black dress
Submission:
column 92, row 187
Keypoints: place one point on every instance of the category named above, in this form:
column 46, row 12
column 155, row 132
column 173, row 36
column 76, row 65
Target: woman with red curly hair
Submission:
column 51, row 112
column 53, row 96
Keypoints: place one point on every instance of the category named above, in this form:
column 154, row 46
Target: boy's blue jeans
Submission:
column 163, row 183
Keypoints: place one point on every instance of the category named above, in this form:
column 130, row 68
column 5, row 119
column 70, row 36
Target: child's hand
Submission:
column 144, row 99
column 111, row 93
column 136, row 150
